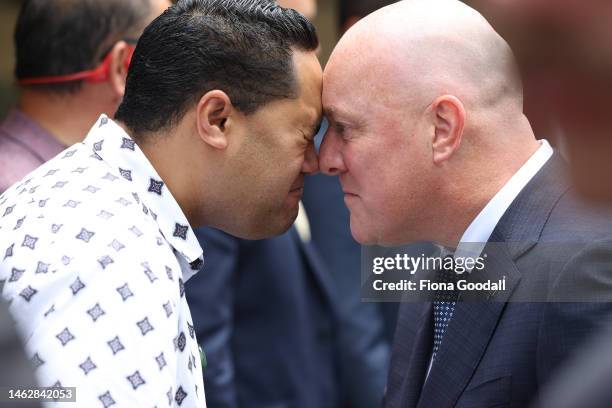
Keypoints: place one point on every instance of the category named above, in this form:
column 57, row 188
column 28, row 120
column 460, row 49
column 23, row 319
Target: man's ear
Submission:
column 449, row 120
column 118, row 68
column 212, row 114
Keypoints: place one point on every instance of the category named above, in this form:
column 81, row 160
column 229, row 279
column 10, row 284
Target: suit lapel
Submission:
column 316, row 266
column 411, row 351
column 473, row 323
column 469, row 332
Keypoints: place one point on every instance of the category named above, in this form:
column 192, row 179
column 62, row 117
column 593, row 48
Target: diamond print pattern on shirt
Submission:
column 95, row 312
column 106, row 399
column 180, row 231
column 28, row 293
column 125, row 292
column 42, row 267
column 16, row 274
column 65, row 336
column 144, row 326
column 9, row 251
column 87, row 366
column 155, row 186
column 37, row 361
column 83, row 268
column 116, row 345
column 76, row 286
column 85, row 235
column 29, row 242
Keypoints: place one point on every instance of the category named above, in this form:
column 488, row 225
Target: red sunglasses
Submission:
column 98, row 74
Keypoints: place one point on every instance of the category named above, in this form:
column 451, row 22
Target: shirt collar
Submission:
column 479, row 231
column 110, row 143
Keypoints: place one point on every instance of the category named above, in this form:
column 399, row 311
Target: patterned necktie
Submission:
column 443, row 307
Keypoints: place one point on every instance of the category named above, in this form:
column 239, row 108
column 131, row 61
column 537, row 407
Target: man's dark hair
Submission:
column 241, row 47
column 60, row 37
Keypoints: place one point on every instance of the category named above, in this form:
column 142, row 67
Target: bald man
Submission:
column 428, row 137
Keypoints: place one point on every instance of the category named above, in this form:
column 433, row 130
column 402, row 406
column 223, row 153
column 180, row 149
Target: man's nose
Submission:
column 330, row 156
column 311, row 161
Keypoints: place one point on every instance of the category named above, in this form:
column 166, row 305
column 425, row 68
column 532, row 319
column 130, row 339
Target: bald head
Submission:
column 417, row 94
column 426, row 48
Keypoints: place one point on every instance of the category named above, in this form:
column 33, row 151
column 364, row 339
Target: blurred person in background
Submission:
column 351, row 11
column 566, row 45
column 308, row 8
column 71, row 64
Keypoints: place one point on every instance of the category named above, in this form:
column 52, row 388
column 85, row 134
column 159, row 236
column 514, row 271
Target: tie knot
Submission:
column 447, row 275
column 445, row 252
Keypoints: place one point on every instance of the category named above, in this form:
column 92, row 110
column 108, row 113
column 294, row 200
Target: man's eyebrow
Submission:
column 329, row 112
column 335, row 114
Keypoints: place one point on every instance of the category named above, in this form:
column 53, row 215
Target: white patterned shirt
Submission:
column 94, row 253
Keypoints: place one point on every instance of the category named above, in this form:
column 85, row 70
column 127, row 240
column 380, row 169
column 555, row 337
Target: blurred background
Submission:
column 8, row 90
column 327, row 22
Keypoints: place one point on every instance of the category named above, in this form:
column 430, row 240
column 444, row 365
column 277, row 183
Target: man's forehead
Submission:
column 344, row 94
column 309, row 80
column 354, row 63
column 307, row 69
column 339, row 77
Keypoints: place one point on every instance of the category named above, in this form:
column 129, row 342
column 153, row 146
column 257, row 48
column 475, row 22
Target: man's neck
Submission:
column 166, row 152
column 67, row 118
column 474, row 194
column 459, row 217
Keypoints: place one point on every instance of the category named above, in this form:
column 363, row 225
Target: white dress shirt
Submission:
column 477, row 234
column 94, row 253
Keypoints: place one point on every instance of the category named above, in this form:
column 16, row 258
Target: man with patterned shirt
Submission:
column 216, row 126
column 71, row 56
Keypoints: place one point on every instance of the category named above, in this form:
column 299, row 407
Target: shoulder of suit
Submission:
column 574, row 219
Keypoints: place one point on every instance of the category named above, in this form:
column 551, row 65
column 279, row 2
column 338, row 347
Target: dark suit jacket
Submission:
column 584, row 382
column 499, row 353
column 264, row 316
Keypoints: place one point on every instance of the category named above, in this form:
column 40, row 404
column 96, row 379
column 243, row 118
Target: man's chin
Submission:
column 260, row 227
column 276, row 225
column 361, row 236
column 373, row 236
